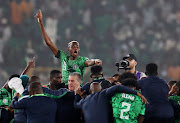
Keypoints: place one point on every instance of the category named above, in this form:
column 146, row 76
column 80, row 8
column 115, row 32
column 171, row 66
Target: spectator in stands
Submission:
column 156, row 90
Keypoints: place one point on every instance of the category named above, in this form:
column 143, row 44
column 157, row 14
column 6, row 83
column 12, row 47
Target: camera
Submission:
column 123, row 64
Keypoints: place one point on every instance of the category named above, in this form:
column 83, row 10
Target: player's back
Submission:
column 127, row 108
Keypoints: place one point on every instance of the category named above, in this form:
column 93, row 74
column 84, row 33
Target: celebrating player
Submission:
column 72, row 62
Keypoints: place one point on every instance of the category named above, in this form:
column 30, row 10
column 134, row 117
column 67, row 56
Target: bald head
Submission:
column 95, row 87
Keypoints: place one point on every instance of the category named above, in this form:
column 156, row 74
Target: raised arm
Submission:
column 93, row 62
column 48, row 41
column 30, row 65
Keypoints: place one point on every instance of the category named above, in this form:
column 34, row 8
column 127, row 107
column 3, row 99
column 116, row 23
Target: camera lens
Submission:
column 124, row 63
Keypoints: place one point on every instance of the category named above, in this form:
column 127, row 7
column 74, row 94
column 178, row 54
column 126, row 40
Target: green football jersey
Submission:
column 5, row 97
column 127, row 108
column 177, row 99
column 69, row 66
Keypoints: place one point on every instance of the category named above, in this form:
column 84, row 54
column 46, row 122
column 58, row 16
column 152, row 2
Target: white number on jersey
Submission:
column 125, row 110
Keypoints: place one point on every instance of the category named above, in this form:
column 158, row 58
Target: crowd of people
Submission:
column 124, row 98
column 137, row 26
column 148, row 29
column 64, row 100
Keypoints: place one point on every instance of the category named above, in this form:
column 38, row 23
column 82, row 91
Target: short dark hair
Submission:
column 96, row 69
column 34, row 79
column 76, row 74
column 126, row 75
column 35, row 87
column 53, row 72
column 14, row 75
column 105, row 84
column 129, row 82
column 151, row 69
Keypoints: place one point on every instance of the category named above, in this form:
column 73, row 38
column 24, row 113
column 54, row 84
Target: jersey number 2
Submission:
column 125, row 110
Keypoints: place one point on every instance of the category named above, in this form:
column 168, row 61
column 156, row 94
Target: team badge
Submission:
column 4, row 100
column 75, row 66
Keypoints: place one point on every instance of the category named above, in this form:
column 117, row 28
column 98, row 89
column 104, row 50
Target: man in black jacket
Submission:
column 96, row 105
column 38, row 107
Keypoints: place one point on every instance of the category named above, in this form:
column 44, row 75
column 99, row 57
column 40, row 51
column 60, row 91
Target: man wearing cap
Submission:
column 131, row 58
column 69, row 63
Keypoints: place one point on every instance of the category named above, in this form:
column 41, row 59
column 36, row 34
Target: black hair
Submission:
column 105, row 84
column 96, row 69
column 151, row 69
column 35, row 87
column 53, row 72
column 14, row 75
column 34, row 78
column 129, row 82
column 126, row 75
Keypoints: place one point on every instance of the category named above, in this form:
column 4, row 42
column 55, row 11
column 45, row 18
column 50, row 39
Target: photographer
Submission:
column 129, row 63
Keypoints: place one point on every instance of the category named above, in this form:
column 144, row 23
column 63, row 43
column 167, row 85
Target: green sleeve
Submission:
column 142, row 110
column 82, row 60
column 61, row 54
